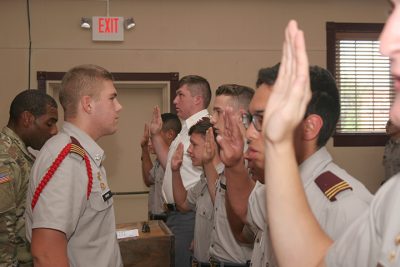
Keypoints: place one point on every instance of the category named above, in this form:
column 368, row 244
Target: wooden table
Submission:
column 155, row 248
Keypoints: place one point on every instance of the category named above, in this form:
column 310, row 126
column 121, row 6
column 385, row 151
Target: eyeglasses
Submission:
column 256, row 119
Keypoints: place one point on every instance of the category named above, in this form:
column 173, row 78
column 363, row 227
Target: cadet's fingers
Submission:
column 180, row 149
column 211, row 137
column 228, row 122
column 237, row 135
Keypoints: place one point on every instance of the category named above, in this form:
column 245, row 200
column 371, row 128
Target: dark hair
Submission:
column 325, row 102
column 31, row 100
column 267, row 75
column 171, row 121
column 197, row 85
column 242, row 94
column 79, row 81
column 201, row 126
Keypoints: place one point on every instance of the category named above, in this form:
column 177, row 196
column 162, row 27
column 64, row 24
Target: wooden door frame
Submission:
column 171, row 77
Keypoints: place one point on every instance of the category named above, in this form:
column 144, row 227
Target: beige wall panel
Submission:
column 13, row 77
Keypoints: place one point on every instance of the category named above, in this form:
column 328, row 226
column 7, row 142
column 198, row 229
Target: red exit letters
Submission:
column 108, row 25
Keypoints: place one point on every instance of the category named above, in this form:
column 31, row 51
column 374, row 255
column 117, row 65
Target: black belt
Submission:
column 160, row 216
column 170, row 207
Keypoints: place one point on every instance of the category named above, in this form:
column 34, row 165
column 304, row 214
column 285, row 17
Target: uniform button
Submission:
column 97, row 157
column 214, row 227
column 212, row 245
column 267, row 264
column 392, row 256
column 201, row 194
column 397, row 240
column 216, row 208
column 204, row 213
column 258, row 240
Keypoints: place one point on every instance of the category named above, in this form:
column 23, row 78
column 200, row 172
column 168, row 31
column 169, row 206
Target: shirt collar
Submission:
column 192, row 120
column 314, row 165
column 18, row 141
column 91, row 147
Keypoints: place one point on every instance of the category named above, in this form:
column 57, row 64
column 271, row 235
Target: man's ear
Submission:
column 171, row 134
column 198, row 99
column 312, row 126
column 26, row 119
column 86, row 104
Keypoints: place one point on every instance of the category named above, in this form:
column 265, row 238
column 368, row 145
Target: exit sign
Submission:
column 108, row 29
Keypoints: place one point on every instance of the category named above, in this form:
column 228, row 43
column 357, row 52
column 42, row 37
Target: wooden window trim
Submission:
column 359, row 139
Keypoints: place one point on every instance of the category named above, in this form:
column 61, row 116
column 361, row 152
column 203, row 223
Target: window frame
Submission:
column 351, row 139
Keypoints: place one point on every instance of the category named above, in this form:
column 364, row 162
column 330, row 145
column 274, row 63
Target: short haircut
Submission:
column 267, row 76
column 241, row 94
column 33, row 101
column 171, row 121
column 325, row 101
column 79, row 81
column 201, row 127
column 197, row 85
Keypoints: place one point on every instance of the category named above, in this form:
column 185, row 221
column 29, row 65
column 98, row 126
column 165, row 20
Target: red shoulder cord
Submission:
column 75, row 146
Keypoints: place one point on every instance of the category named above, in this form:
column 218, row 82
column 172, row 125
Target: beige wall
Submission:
column 225, row 41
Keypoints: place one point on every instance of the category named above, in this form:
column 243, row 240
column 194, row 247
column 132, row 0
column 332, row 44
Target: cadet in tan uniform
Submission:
column 33, row 117
column 202, row 151
column 373, row 239
column 69, row 216
column 153, row 174
column 336, row 198
column 225, row 249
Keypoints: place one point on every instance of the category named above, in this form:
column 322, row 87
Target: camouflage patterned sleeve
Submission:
column 8, row 216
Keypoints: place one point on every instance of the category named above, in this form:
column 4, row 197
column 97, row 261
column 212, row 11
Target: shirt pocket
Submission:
column 97, row 202
column 205, row 207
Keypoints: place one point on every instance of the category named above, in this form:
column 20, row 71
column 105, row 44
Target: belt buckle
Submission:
column 195, row 263
column 213, row 263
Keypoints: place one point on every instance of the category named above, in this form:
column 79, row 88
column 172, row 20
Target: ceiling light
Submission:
column 129, row 23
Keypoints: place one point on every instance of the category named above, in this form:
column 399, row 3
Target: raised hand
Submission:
column 231, row 140
column 291, row 93
column 156, row 121
column 210, row 147
column 145, row 139
column 177, row 158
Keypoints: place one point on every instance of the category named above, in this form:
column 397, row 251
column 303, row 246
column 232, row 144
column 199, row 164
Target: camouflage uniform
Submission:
column 15, row 165
column 391, row 159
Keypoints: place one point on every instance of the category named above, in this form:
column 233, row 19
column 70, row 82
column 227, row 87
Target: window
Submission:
column 364, row 81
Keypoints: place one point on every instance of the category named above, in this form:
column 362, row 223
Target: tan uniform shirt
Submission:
column 333, row 216
column 224, row 246
column 375, row 236
column 199, row 200
column 15, row 165
column 156, row 177
column 89, row 225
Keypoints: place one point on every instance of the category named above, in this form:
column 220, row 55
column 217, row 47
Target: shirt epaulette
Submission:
column 331, row 185
column 73, row 147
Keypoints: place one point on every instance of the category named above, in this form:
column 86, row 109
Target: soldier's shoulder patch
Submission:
column 331, row 185
column 4, row 178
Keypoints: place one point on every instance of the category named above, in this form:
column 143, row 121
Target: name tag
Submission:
column 107, row 195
